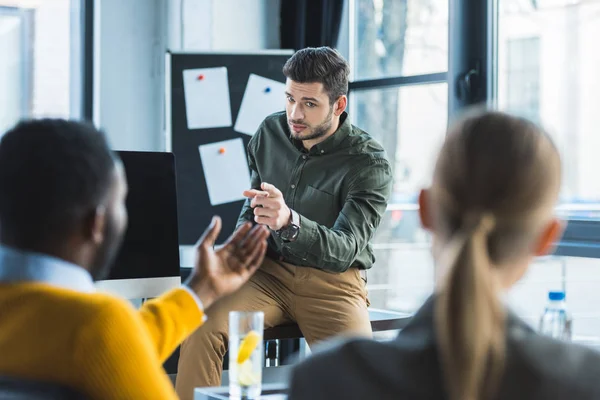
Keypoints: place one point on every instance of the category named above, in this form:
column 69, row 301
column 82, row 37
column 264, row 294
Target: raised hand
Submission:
column 269, row 206
column 220, row 272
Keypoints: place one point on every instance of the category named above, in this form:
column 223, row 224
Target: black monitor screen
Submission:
column 150, row 247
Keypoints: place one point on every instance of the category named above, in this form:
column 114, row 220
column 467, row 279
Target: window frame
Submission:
column 82, row 67
column 581, row 237
column 383, row 83
column 389, row 81
column 472, row 79
column 81, row 78
column 468, row 77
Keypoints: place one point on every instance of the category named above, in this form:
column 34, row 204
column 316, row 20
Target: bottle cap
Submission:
column 556, row 296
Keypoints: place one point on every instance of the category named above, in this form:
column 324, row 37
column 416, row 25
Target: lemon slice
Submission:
column 246, row 375
column 247, row 346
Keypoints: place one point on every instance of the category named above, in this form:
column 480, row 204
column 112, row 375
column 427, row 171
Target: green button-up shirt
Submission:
column 340, row 189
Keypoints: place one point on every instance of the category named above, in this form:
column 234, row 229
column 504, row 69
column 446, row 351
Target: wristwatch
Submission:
column 290, row 232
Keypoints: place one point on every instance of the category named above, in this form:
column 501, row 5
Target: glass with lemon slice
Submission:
column 245, row 354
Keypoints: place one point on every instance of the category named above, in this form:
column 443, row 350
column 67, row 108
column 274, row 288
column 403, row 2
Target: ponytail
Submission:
column 469, row 317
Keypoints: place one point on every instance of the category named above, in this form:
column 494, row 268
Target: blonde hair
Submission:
column 495, row 182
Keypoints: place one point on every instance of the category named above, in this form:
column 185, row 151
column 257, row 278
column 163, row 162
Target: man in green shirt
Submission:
column 321, row 185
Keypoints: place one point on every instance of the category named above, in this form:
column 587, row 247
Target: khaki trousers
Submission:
column 323, row 304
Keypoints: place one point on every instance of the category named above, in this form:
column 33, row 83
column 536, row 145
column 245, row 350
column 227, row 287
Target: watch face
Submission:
column 294, row 230
column 290, row 233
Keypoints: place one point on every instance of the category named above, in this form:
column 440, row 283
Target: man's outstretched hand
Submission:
column 269, row 206
column 219, row 272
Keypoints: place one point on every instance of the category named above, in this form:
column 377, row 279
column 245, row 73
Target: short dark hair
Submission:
column 321, row 64
column 53, row 172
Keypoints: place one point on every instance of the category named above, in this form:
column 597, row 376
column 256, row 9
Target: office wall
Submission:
column 253, row 25
column 131, row 38
column 224, row 24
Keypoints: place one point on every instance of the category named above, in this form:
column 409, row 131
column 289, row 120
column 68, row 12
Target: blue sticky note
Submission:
column 262, row 97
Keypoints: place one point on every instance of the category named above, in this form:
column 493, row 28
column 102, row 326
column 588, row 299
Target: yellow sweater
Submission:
column 94, row 343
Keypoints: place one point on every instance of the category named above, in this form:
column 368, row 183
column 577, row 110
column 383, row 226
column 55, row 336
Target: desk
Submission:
column 273, row 391
column 381, row 320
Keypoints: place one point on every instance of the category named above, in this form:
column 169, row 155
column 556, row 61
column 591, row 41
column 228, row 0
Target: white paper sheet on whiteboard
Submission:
column 225, row 170
column 207, row 102
column 262, row 97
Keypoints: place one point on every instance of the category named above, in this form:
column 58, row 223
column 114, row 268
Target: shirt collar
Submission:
column 18, row 266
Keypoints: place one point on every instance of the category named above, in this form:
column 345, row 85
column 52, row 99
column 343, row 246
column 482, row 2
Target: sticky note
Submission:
column 226, row 172
column 207, row 103
column 262, row 97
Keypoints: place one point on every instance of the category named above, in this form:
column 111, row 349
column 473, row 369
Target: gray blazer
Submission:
column 537, row 367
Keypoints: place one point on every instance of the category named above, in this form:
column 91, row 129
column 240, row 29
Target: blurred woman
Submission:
column 490, row 210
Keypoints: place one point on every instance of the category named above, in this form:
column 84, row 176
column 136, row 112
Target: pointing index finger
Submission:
column 270, row 189
column 255, row 193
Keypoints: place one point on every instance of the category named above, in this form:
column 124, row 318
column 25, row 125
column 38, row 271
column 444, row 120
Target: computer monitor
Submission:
column 147, row 264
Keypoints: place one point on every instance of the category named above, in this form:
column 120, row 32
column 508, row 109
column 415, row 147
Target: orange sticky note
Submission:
column 222, row 150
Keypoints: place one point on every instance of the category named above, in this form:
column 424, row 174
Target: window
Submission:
column 399, row 37
column 548, row 71
column 544, row 67
column 410, row 122
column 549, row 65
column 41, row 59
column 578, row 277
column 399, row 95
column 523, row 77
column 14, row 91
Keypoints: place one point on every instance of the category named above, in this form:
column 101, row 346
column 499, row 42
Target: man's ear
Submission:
column 549, row 237
column 340, row 105
column 94, row 225
column 424, row 210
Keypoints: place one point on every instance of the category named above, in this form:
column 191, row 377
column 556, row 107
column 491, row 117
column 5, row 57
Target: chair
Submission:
column 12, row 388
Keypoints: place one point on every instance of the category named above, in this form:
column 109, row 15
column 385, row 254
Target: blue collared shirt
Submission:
column 18, row 266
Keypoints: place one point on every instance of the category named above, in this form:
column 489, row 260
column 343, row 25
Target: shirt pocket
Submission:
column 318, row 206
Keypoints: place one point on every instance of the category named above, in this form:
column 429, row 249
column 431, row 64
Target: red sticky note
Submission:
column 200, row 77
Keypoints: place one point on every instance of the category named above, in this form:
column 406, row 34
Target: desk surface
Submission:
column 271, row 391
column 381, row 320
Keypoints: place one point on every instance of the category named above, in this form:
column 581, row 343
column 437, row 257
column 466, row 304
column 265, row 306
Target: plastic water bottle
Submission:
column 556, row 320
